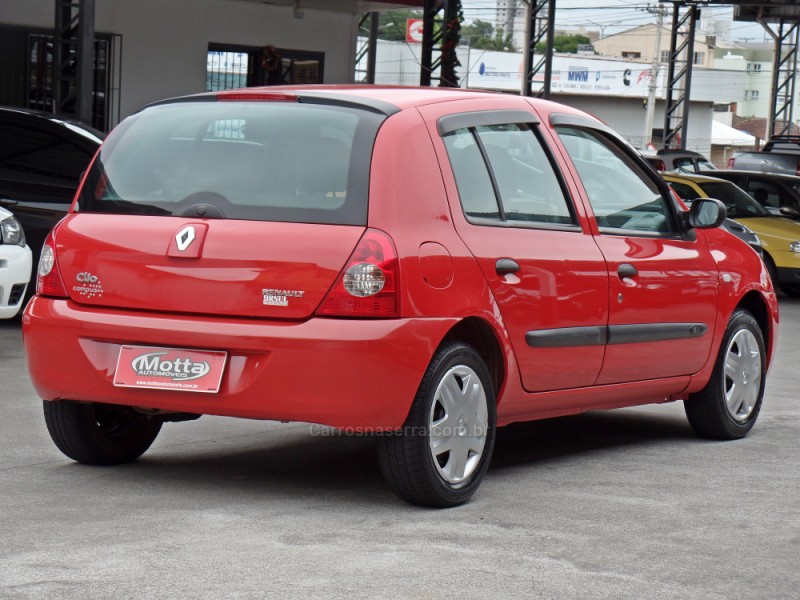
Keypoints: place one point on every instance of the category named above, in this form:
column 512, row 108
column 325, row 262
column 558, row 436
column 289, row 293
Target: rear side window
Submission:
column 265, row 161
column 35, row 155
column 504, row 175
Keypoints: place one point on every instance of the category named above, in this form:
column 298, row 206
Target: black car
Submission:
column 779, row 194
column 42, row 157
column 681, row 161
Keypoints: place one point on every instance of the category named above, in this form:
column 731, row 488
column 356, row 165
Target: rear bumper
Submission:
column 343, row 373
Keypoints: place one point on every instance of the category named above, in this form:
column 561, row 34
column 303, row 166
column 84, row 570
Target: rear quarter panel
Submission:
column 408, row 199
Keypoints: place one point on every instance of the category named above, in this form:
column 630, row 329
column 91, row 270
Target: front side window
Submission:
column 765, row 193
column 504, row 174
column 685, row 192
column 738, row 203
column 623, row 198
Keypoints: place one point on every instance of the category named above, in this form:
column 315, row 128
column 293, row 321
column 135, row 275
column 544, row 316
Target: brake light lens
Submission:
column 368, row 285
column 259, row 96
column 48, row 278
column 731, row 161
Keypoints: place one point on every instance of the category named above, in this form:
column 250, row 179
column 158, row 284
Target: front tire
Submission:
column 440, row 456
column 99, row 434
column 727, row 408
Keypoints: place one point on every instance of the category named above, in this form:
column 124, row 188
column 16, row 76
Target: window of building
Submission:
column 26, row 75
column 754, row 67
column 631, row 54
column 699, row 58
column 230, row 67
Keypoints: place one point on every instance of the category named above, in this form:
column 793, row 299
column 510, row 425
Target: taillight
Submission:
column 48, row 279
column 731, row 160
column 797, row 169
column 660, row 165
column 369, row 284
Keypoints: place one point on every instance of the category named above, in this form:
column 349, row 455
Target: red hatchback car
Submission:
column 425, row 264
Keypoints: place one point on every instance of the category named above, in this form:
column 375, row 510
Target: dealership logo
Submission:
column 154, row 364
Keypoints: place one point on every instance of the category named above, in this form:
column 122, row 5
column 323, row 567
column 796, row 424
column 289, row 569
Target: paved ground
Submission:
column 624, row 504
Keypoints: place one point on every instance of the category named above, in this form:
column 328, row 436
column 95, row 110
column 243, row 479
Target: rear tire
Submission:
column 440, row 456
column 727, row 408
column 99, row 434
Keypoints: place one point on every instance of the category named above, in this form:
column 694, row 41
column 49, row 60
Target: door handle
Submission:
column 626, row 270
column 506, row 266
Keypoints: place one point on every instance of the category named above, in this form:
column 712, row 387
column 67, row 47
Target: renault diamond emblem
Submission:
column 185, row 237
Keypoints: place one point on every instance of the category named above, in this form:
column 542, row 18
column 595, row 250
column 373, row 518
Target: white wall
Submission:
column 165, row 42
column 627, row 117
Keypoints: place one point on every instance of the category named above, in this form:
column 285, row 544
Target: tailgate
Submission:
column 201, row 266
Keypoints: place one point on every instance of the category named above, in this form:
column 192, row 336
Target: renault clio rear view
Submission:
column 422, row 264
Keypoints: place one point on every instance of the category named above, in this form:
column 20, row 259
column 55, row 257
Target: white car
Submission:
column 15, row 265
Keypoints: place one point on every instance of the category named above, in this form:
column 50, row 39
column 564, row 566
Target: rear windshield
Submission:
column 265, row 161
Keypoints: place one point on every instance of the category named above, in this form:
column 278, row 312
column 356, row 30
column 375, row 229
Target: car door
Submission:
column 663, row 280
column 512, row 208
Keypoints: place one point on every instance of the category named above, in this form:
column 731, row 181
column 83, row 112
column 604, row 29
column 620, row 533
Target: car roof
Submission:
column 385, row 99
column 693, row 177
column 79, row 128
column 779, row 176
column 671, row 151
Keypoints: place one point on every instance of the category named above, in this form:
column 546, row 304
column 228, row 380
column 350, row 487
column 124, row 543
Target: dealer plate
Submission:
column 175, row 369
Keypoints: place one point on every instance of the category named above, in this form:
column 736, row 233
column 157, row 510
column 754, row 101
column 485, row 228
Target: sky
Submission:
column 613, row 16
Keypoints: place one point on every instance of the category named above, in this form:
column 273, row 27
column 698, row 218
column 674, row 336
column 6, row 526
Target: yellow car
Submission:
column 780, row 237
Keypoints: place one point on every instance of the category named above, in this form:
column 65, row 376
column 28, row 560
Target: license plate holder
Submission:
column 176, row 369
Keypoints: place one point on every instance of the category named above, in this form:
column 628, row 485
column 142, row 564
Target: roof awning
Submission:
column 722, row 135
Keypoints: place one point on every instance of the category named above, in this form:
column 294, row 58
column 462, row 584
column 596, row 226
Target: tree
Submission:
column 392, row 23
column 483, row 35
column 565, row 43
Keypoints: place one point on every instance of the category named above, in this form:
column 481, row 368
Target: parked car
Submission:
column 744, row 233
column 424, row 264
column 15, row 265
column 685, row 161
column 780, row 155
column 780, row 237
column 43, row 157
column 778, row 193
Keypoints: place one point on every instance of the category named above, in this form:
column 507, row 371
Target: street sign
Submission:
column 414, row 31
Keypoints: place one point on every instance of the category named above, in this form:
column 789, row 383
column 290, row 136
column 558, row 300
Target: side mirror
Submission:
column 790, row 211
column 706, row 213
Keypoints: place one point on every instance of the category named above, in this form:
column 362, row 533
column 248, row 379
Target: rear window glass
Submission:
column 265, row 161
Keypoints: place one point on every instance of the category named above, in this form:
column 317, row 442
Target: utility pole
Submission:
column 651, row 94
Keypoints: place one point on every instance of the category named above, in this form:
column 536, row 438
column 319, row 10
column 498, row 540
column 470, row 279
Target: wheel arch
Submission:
column 479, row 334
column 756, row 305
